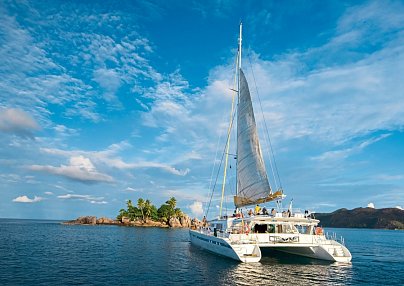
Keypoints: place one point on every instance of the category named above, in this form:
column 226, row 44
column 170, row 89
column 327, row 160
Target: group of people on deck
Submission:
column 257, row 211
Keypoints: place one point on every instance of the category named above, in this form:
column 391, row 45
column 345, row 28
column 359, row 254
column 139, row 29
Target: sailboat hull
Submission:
column 246, row 252
column 334, row 254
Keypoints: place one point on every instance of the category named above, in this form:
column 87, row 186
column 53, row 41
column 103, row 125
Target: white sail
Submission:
column 252, row 179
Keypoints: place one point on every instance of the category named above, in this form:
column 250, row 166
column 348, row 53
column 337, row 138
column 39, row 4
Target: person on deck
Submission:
column 264, row 211
column 257, row 209
column 204, row 221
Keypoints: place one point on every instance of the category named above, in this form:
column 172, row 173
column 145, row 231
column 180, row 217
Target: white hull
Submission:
column 244, row 252
column 313, row 246
column 318, row 252
column 247, row 248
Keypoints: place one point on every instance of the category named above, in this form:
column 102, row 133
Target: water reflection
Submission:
column 275, row 268
column 285, row 269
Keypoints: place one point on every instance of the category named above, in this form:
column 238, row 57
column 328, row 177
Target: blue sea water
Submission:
column 35, row 252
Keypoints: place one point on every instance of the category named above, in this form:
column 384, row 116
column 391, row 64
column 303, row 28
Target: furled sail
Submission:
column 252, row 180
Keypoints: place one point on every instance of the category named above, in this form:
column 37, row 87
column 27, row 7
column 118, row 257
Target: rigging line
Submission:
column 224, row 151
column 228, row 143
column 227, row 156
column 214, row 163
column 217, row 174
column 236, row 62
column 266, row 128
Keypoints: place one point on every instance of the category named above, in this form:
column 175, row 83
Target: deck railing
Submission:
column 333, row 236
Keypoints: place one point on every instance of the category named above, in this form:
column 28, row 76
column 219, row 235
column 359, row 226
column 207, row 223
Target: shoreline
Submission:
column 183, row 222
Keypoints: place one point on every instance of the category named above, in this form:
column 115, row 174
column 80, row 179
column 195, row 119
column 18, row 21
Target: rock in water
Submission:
column 174, row 222
column 125, row 220
column 83, row 220
column 185, row 221
column 105, row 220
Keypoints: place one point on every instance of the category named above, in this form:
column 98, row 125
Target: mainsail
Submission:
column 252, row 180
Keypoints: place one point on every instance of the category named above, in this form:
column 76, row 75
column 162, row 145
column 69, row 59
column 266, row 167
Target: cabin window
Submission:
column 301, row 229
column 260, row 228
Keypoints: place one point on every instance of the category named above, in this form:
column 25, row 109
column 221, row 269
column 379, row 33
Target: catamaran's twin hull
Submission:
column 334, row 254
column 251, row 252
column 247, row 252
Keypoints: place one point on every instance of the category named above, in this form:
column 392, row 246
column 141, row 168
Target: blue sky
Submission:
column 104, row 101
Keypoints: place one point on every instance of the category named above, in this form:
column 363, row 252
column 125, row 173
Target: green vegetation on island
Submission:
column 144, row 214
column 145, row 210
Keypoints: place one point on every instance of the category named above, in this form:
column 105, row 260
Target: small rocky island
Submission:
column 144, row 214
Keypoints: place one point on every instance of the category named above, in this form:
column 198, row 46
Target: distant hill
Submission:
column 389, row 218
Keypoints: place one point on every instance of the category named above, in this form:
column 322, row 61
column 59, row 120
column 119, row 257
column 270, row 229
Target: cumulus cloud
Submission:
column 25, row 199
column 371, row 205
column 196, row 208
column 79, row 169
column 17, row 121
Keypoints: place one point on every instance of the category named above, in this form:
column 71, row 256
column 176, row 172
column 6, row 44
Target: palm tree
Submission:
column 129, row 204
column 147, row 209
column 178, row 213
column 122, row 213
column 172, row 202
column 141, row 205
column 130, row 210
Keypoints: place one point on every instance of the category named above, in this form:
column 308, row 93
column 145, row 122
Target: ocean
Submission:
column 39, row 252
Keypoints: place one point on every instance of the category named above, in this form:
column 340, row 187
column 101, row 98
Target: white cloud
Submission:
column 399, row 207
column 110, row 81
column 99, row 202
column 162, row 166
column 17, row 121
column 371, row 205
column 34, row 73
column 129, row 189
column 48, row 193
column 88, row 198
column 344, row 153
column 390, row 177
column 80, row 169
column 184, row 194
column 25, row 199
column 196, row 208
column 109, row 158
column 62, row 130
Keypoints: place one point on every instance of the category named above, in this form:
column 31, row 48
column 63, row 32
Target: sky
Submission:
column 105, row 101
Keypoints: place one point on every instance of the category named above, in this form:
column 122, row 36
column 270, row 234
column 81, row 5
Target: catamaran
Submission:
column 242, row 237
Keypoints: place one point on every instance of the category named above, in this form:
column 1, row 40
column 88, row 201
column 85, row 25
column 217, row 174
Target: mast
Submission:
column 240, row 39
column 238, row 66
